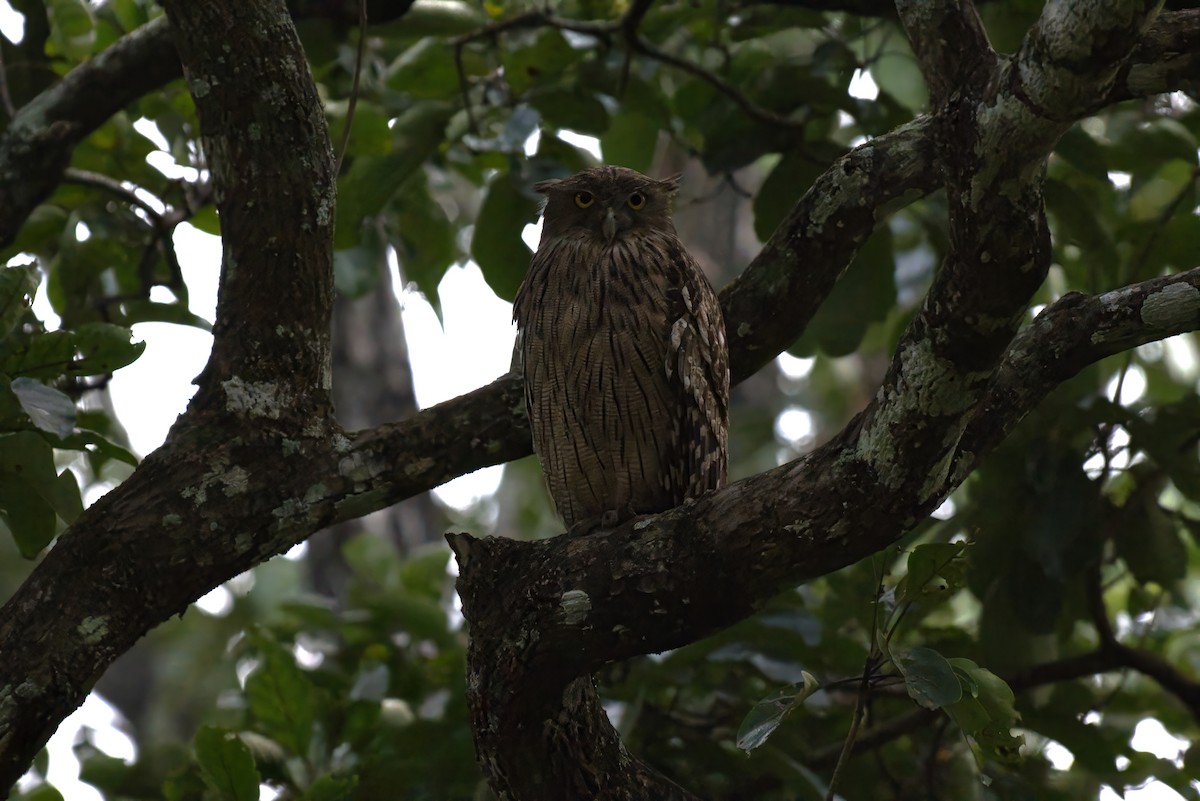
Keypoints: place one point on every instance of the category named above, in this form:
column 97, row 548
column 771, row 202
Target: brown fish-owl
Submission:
column 623, row 352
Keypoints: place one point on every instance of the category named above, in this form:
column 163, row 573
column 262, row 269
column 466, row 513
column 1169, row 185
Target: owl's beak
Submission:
column 609, row 226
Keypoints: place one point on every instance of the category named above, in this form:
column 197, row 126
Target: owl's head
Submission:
column 608, row 203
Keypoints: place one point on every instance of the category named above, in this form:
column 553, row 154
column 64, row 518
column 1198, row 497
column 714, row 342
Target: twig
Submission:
column 747, row 105
column 5, row 97
column 627, row 26
column 162, row 224
column 358, row 63
column 115, row 187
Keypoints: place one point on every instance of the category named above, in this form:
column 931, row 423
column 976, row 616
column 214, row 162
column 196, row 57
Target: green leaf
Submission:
column 928, row 677
column 147, row 311
column 766, row 715
column 46, row 355
column 43, row 792
column 281, row 697
column 1149, row 542
column 332, row 788
column 1161, row 191
column 864, row 294
column 32, row 493
column 1077, row 221
column 573, row 110
column 933, row 568
column 17, row 287
column 356, row 270
column 1082, row 152
column 443, row 18
column 72, row 29
column 630, row 141
column 782, row 189
column 80, row 440
column 427, row 241
column 48, row 408
column 1141, row 150
column 40, row 235
column 992, row 692
column 425, row 70
column 373, row 180
column 104, row 348
column 26, row 515
column 895, row 71
column 226, row 764
column 542, row 61
column 425, row 573
column 497, row 245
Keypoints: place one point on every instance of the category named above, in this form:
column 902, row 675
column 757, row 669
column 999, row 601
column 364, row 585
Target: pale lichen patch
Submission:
column 93, row 629
column 169, row 520
column 575, row 606
column 236, row 481
column 253, row 398
column 1171, row 305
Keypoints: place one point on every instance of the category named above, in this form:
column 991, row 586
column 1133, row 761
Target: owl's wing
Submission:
column 697, row 367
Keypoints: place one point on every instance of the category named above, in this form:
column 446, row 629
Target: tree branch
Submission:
column 36, row 146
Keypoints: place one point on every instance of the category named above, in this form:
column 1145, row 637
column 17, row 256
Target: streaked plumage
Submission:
column 623, row 352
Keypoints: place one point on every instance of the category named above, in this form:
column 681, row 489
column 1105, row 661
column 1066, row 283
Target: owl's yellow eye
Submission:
column 584, row 199
column 637, row 201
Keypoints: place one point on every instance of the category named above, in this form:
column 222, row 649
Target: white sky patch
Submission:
column 1182, row 360
column 1058, row 756
column 1119, row 455
column 12, row 24
column 1154, row 791
column 150, row 393
column 149, row 130
column 471, row 348
column 1132, row 388
column 589, row 143
column 217, row 602
column 863, row 86
column 531, row 234
column 794, row 367
column 1153, row 738
column 794, row 425
column 105, row 722
column 1121, row 180
column 945, row 511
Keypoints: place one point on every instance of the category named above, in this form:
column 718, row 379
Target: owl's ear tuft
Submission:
column 546, row 187
column 671, row 184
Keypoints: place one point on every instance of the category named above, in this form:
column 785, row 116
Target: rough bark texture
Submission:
column 257, row 463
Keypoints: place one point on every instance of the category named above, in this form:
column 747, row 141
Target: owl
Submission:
column 623, row 352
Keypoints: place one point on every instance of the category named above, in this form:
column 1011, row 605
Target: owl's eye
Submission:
column 584, row 199
column 637, row 201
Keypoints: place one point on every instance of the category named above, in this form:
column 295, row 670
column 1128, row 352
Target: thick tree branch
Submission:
column 148, row 549
column 36, row 146
column 1068, row 335
column 950, row 45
